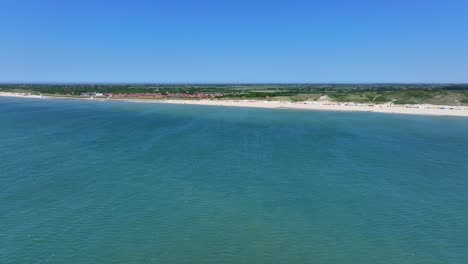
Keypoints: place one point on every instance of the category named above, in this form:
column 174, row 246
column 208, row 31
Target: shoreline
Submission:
column 428, row 110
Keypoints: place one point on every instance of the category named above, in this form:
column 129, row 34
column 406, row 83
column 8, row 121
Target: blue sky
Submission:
column 234, row 41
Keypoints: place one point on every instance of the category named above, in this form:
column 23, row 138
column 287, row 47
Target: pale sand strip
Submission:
column 325, row 106
column 435, row 110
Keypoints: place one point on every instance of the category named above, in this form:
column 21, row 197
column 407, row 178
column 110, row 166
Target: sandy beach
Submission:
column 433, row 110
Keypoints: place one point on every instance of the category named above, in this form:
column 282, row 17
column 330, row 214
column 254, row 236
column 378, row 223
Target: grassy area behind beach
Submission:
column 435, row 94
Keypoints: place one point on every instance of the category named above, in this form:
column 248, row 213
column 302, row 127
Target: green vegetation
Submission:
column 442, row 94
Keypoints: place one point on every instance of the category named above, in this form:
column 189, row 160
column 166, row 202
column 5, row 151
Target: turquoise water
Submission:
column 103, row 182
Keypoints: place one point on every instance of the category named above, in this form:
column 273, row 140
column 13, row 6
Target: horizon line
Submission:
column 233, row 83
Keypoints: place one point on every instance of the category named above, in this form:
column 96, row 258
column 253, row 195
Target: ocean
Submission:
column 114, row 182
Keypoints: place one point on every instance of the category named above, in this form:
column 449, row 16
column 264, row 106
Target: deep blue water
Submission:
column 104, row 182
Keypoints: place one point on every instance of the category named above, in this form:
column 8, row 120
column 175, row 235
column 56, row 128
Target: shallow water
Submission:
column 106, row 182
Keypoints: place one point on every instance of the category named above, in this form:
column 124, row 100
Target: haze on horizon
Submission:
column 241, row 41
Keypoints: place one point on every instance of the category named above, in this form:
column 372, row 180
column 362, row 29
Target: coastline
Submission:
column 429, row 110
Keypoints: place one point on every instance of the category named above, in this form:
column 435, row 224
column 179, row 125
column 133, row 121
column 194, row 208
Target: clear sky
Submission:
column 234, row 41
